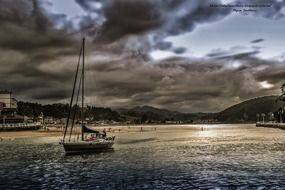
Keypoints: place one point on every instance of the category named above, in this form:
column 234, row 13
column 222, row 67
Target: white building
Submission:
column 7, row 101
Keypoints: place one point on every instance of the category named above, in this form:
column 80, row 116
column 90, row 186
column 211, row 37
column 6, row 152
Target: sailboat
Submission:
column 84, row 139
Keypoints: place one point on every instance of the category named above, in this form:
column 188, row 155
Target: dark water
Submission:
column 212, row 157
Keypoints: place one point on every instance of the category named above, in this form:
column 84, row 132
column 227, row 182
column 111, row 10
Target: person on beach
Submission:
column 104, row 133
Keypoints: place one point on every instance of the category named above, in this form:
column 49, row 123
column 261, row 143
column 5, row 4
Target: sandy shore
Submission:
column 53, row 131
column 29, row 134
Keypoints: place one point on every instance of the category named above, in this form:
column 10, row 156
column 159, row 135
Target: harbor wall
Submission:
column 20, row 126
column 271, row 125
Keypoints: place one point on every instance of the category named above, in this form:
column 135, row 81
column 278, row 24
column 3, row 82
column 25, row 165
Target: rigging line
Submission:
column 71, row 100
column 75, row 110
column 82, row 112
column 78, row 133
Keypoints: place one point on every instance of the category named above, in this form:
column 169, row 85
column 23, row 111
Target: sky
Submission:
column 176, row 54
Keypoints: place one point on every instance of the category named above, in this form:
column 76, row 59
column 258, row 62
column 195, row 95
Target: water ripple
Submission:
column 176, row 160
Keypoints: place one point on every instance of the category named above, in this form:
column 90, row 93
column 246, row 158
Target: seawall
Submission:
column 19, row 126
column 271, row 125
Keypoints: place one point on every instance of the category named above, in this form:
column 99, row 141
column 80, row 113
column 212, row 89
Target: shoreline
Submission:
column 271, row 125
column 58, row 132
column 12, row 135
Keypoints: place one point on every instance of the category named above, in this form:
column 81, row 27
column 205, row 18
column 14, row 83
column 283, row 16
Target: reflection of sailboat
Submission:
column 90, row 140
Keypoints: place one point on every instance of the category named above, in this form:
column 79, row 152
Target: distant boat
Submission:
column 84, row 139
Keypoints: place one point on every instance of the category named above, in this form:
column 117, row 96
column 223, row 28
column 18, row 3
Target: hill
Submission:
column 242, row 112
column 247, row 110
column 148, row 113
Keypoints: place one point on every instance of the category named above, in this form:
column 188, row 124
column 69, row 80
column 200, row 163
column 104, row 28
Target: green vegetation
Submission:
column 137, row 115
column 61, row 111
column 280, row 113
column 268, row 108
column 252, row 110
column 148, row 114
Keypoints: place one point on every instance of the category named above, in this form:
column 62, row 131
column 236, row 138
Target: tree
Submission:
column 280, row 113
column 257, row 116
column 270, row 116
column 263, row 115
column 144, row 118
column 281, row 98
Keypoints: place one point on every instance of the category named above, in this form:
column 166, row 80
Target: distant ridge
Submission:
column 156, row 114
column 243, row 112
column 247, row 110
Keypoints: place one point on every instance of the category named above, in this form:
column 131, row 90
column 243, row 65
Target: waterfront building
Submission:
column 8, row 108
column 7, row 100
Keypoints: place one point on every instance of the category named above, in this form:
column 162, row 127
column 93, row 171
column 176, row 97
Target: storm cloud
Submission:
column 184, row 83
column 39, row 50
column 257, row 40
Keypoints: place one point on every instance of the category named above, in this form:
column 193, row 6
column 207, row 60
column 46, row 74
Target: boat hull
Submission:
column 85, row 146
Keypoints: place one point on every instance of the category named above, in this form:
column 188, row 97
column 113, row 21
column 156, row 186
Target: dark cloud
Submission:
column 123, row 18
column 26, row 27
column 275, row 75
column 275, row 10
column 31, row 45
column 179, row 50
column 163, row 45
column 126, row 17
column 183, row 83
column 176, row 83
column 160, row 18
column 38, row 58
column 233, row 53
column 241, row 55
column 257, row 41
column 91, row 5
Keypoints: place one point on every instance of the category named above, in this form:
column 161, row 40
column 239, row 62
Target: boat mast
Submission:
column 82, row 108
column 71, row 100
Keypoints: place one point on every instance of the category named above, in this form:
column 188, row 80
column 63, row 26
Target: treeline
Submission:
column 60, row 111
column 266, row 108
column 137, row 115
column 148, row 114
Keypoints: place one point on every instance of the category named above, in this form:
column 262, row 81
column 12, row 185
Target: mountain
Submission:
column 148, row 113
column 146, row 109
column 247, row 110
column 242, row 112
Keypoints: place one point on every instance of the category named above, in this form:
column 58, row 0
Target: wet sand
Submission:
column 53, row 131
column 208, row 130
column 29, row 134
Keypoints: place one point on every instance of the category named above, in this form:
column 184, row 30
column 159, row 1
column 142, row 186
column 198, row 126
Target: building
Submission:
column 7, row 101
column 2, row 105
column 8, row 108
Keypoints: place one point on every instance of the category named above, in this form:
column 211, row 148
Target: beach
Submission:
column 118, row 130
column 58, row 131
column 12, row 135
